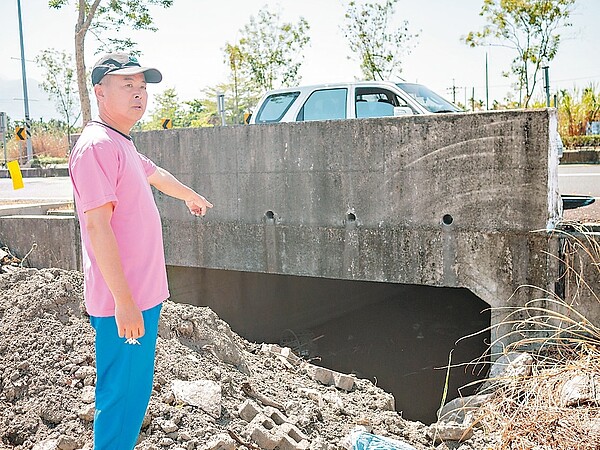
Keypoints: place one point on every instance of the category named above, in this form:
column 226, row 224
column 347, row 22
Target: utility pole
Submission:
column 25, row 97
column 453, row 91
column 3, row 127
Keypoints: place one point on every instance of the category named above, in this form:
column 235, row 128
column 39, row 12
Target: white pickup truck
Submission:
column 348, row 101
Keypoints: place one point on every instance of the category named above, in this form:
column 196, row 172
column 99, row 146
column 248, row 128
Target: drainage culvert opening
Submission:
column 402, row 344
column 447, row 219
column 398, row 336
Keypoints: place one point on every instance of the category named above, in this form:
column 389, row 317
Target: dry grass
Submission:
column 43, row 143
column 532, row 411
column 529, row 413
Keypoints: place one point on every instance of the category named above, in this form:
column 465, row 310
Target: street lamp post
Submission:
column 25, row 97
column 547, row 84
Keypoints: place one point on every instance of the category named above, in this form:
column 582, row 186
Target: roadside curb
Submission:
column 39, row 172
column 36, row 209
column 585, row 155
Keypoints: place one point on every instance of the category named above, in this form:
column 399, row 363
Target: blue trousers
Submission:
column 124, row 376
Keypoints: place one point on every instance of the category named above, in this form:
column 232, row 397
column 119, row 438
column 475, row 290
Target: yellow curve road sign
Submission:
column 20, row 133
column 167, row 123
column 15, row 174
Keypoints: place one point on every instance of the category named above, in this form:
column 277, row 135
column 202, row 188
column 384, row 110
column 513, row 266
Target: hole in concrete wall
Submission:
column 447, row 219
column 270, row 215
column 350, row 217
column 398, row 336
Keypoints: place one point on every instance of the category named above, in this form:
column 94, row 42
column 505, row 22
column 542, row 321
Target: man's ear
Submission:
column 99, row 91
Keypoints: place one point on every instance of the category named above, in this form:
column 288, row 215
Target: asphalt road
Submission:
column 52, row 189
column 579, row 179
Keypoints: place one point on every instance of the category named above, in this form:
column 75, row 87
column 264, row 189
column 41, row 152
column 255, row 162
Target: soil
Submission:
column 47, row 376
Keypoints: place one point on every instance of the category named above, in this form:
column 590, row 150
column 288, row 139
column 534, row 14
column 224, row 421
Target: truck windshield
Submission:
column 275, row 106
column 428, row 99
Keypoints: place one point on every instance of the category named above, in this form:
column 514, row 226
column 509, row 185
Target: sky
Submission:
column 188, row 47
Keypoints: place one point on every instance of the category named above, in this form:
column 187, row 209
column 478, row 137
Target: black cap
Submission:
column 122, row 64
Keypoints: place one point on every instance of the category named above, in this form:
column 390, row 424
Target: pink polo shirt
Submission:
column 104, row 167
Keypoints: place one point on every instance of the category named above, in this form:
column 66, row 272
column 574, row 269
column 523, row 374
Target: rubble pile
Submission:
column 213, row 389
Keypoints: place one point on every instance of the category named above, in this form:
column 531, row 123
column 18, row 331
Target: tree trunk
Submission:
column 84, row 98
column 83, row 24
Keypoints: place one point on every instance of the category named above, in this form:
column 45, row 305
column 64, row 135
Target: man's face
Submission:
column 123, row 98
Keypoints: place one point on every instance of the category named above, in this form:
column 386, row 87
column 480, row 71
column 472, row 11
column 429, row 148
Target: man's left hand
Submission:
column 198, row 205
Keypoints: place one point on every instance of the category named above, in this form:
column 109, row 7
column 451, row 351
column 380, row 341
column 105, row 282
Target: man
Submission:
column 123, row 256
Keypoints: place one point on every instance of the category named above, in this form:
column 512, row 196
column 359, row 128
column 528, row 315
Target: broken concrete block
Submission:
column 341, row 381
column 330, row 377
column 275, row 415
column 269, row 435
column 287, row 429
column 284, row 353
column 248, row 410
column 323, row 375
column 204, row 394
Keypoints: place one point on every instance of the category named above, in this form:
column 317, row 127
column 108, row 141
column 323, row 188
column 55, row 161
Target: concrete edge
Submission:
column 32, row 209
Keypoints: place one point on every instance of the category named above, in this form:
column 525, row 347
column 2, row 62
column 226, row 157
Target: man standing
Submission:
column 123, row 255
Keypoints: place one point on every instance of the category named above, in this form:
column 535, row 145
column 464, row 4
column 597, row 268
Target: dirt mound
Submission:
column 47, row 378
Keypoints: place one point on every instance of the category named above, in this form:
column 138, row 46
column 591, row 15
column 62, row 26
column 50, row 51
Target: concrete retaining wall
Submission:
column 50, row 241
column 447, row 200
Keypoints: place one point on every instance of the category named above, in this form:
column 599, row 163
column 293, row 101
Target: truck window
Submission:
column 325, row 104
column 377, row 102
column 275, row 107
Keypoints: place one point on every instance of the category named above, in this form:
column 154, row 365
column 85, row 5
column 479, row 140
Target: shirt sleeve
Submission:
column 147, row 164
column 95, row 174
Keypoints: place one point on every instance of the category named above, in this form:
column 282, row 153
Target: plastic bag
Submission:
column 361, row 440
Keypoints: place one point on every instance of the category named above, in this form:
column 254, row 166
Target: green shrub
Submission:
column 576, row 142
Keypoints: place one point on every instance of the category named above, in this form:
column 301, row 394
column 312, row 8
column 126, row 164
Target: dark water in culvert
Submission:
column 403, row 343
